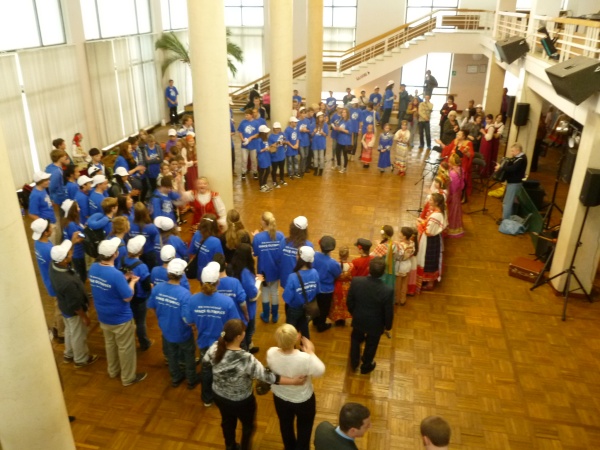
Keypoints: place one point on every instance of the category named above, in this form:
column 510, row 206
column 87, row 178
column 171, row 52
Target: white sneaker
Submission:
column 343, row 170
column 335, row 168
column 278, row 186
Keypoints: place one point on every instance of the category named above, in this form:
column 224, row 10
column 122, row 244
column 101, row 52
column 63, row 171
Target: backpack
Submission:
column 128, row 268
column 91, row 240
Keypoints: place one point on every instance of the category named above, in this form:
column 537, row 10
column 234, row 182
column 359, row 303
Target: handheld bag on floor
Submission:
column 311, row 308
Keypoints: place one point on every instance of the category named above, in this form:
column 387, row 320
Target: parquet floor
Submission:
column 481, row 350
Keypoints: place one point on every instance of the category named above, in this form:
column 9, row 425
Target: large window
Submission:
column 174, row 14
column 339, row 24
column 413, row 75
column 244, row 13
column 31, row 23
column 111, row 18
column 419, row 8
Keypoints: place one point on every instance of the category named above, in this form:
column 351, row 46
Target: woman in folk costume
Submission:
column 455, row 223
column 208, row 202
column 439, row 186
column 368, row 141
column 339, row 310
column 492, row 138
column 386, row 140
column 407, row 249
column 189, row 155
column 429, row 257
column 402, row 140
column 388, row 249
column 464, row 148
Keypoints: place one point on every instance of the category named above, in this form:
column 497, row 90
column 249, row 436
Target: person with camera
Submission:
column 514, row 172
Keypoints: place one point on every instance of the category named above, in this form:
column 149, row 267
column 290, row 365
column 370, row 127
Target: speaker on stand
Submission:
column 521, row 116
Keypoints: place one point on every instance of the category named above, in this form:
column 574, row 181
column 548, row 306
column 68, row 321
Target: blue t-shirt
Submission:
column 168, row 301
column 291, row 136
column 181, row 250
column 74, row 227
column 121, row 162
column 159, row 275
column 375, row 99
column 298, row 98
column 287, row 259
column 162, row 204
column 72, row 189
column 248, row 280
column 292, row 294
column 41, row 205
column 344, row 138
column 110, row 289
column 331, row 103
column 248, row 128
column 385, row 141
column 205, row 253
column 100, row 221
column 154, row 157
column 304, row 130
column 319, row 142
column 149, row 231
column 367, row 119
column 388, row 99
column 355, row 115
column 171, row 93
column 42, row 256
column 83, row 201
column 232, row 288
column 278, row 138
column 264, row 155
column 141, row 270
column 58, row 190
column 209, row 314
column 122, row 249
column 267, row 254
column 328, row 269
column 335, row 117
column 95, row 201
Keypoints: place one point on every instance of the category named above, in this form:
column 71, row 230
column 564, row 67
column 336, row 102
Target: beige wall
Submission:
column 466, row 86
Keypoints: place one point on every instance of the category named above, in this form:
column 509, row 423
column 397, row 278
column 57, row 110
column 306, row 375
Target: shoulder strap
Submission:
column 302, row 286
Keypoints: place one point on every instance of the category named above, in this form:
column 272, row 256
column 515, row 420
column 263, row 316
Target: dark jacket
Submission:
column 69, row 289
column 326, row 438
column 516, row 168
column 371, row 303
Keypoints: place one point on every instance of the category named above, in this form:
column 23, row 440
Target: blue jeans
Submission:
column 512, row 189
column 250, row 328
column 424, row 127
column 206, row 376
column 297, row 318
column 292, row 165
column 138, row 307
column 303, row 159
column 319, row 158
column 186, row 349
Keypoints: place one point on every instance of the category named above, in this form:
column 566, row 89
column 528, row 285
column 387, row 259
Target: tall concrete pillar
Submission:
column 208, row 55
column 494, row 82
column 281, row 47
column 32, row 408
column 314, row 52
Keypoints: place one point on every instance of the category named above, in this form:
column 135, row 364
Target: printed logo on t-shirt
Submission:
column 369, row 119
column 294, row 136
column 249, row 130
column 354, row 116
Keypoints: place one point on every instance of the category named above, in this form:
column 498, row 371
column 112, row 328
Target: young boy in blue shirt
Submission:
column 277, row 142
column 304, row 130
column 291, row 152
column 248, row 131
column 328, row 270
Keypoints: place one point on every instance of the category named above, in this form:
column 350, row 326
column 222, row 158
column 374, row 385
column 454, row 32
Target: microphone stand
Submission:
column 430, row 171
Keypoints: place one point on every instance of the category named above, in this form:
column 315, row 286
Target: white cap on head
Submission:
column 164, row 223
column 389, row 83
column 302, row 108
column 376, row 87
column 38, row 226
column 40, row 176
column 301, row 222
column 263, row 129
column 319, row 114
column 177, row 266
column 122, row 172
column 172, row 132
column 60, row 252
column 293, row 119
column 277, row 125
column 136, row 244
column 66, row 206
column 354, row 101
column 109, row 247
column 210, row 274
column 191, row 133
column 92, row 171
column 167, row 253
column 306, row 253
column 83, row 179
column 479, row 106
column 98, row 179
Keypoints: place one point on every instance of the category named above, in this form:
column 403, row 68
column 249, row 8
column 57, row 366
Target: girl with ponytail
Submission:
column 406, row 252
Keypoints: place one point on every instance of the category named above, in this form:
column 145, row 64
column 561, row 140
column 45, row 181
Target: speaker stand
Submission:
column 484, row 210
column 552, row 205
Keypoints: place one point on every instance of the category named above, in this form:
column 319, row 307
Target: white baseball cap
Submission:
column 389, row 83
column 98, row 179
column 40, row 176
column 60, row 252
column 306, row 253
column 172, row 132
column 167, row 253
column 83, row 179
column 210, row 274
column 376, row 87
column 354, row 100
column 109, row 247
column 92, row 171
column 263, row 129
column 276, row 125
column 301, row 222
column 319, row 114
column 122, row 172
column 177, row 266
column 164, row 223
column 66, row 206
column 293, row 119
column 38, row 226
column 136, row 244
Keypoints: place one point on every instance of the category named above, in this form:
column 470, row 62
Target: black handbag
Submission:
column 311, row 308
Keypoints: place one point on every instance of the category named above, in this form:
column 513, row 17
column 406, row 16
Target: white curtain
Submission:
column 338, row 38
column 125, row 86
column 250, row 39
column 51, row 85
column 12, row 121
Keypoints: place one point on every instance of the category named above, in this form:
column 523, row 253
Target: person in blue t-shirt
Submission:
column 142, row 225
column 297, row 97
column 73, row 231
column 264, row 158
column 159, row 274
column 343, row 127
column 40, row 205
column 164, row 200
column 103, row 219
column 248, row 132
column 58, row 190
column 82, row 198
column 167, row 234
column 276, row 142
column 355, row 113
column 131, row 263
column 112, row 291
column 265, row 245
column 288, row 247
column 304, row 131
column 328, row 270
column 153, row 154
column 168, row 300
column 205, row 242
column 208, row 311
column 388, row 102
column 71, row 187
column 319, row 143
column 291, row 151
column 98, row 194
column 334, row 120
column 368, row 117
column 232, row 288
column 331, row 103
column 171, row 94
column 376, row 98
column 303, row 276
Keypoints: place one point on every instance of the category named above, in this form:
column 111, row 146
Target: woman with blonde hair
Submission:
column 234, row 235
column 265, row 246
column 294, row 402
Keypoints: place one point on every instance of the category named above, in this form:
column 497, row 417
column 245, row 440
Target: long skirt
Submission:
column 384, row 160
column 400, row 158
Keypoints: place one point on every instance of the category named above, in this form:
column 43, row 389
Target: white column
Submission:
column 494, row 82
column 280, row 56
column 75, row 35
column 33, row 414
column 314, row 52
column 157, row 28
column 208, row 55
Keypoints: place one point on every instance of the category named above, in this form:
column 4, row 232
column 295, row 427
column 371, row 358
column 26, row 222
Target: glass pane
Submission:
column 344, row 17
column 327, row 17
column 253, row 17
column 439, row 64
column 179, row 14
column 51, row 24
column 253, row 3
column 523, row 4
column 344, row 2
column 165, row 14
column 120, row 24
column 233, row 17
column 413, row 73
column 143, row 15
column 327, row 3
column 21, row 31
column 338, row 38
column 90, row 19
column 422, row 3
column 445, row 4
column 233, row 3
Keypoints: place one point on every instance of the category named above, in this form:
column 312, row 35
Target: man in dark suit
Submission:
column 371, row 303
column 354, row 421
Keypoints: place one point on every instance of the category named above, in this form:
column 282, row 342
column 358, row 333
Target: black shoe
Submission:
column 368, row 369
column 176, row 383
column 255, row 176
column 138, row 377
column 91, row 360
column 71, row 418
column 254, row 350
column 324, row 327
column 340, row 323
column 57, row 338
column 191, row 386
column 320, row 172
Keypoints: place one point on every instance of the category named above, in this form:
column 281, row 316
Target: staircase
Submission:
column 450, row 30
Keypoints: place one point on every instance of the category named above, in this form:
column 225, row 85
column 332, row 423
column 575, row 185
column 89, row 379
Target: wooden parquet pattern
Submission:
column 481, row 350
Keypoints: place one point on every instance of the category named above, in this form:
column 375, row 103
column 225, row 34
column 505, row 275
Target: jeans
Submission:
column 303, row 159
column 76, row 339
column 274, row 166
column 319, row 161
column 297, row 318
column 342, row 150
column 173, row 114
column 139, row 310
column 424, row 126
column 270, row 293
column 324, row 302
column 292, row 165
column 173, row 351
column 386, row 116
column 206, row 376
column 512, row 189
column 80, row 268
column 231, row 411
column 304, row 413
column 263, row 176
column 356, row 339
column 250, row 329
column 252, row 154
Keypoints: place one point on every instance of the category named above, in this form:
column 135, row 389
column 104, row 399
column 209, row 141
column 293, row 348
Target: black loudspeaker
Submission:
column 521, row 114
column 511, row 105
column 590, row 192
column 512, row 49
column 575, row 79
